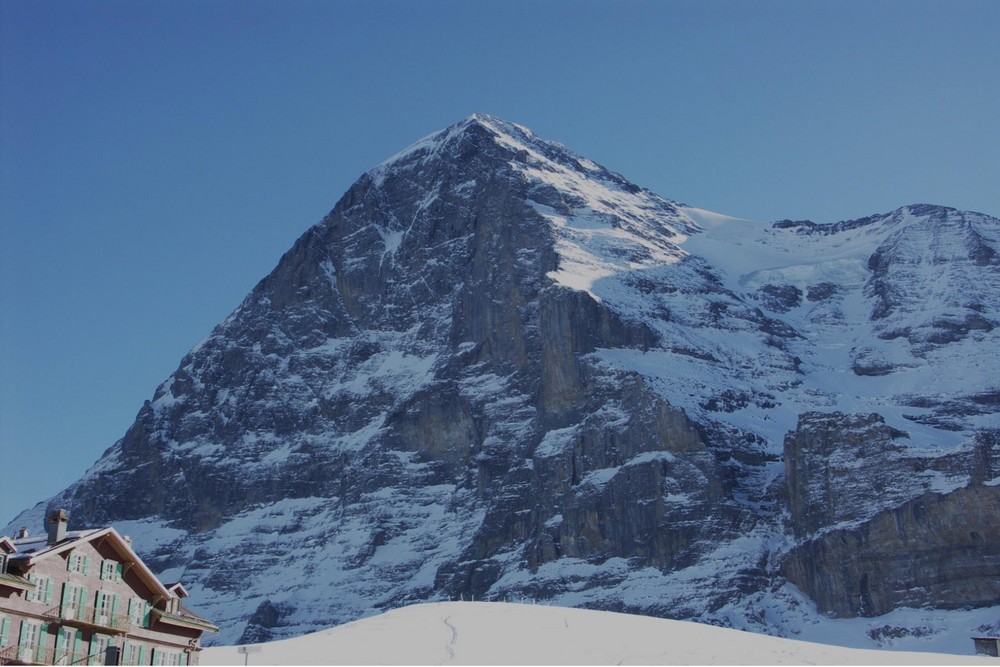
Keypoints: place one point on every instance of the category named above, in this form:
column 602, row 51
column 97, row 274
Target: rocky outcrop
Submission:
column 844, row 468
column 881, row 527
column 936, row 550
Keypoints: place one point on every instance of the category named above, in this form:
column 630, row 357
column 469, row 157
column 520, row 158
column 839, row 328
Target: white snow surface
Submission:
column 494, row 633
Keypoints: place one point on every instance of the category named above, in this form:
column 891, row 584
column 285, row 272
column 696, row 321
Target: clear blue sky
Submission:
column 157, row 158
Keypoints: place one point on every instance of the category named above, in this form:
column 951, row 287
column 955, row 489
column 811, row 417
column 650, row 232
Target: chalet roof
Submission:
column 177, row 588
column 32, row 549
column 7, row 545
column 28, row 547
column 185, row 618
column 14, row 581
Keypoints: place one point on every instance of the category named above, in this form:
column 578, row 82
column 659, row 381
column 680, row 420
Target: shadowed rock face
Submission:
column 495, row 369
column 871, row 541
column 937, row 550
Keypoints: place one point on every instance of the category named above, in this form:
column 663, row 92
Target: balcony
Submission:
column 30, row 655
column 90, row 617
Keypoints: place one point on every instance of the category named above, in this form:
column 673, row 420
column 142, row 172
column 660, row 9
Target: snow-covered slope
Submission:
column 498, row 369
column 480, row 633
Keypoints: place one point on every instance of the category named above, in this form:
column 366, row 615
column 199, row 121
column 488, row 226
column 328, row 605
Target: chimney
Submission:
column 22, row 534
column 57, row 526
column 127, row 540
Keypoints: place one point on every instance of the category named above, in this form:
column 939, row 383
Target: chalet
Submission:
column 85, row 598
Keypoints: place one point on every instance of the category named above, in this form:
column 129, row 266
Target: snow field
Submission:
column 494, row 633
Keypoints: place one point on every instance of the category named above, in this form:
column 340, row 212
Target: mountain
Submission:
column 497, row 369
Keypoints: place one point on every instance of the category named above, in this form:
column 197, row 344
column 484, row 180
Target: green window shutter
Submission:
column 43, row 635
column 147, row 615
column 82, row 609
column 48, row 591
column 131, row 609
column 69, row 562
column 142, row 654
column 4, row 629
column 114, row 604
column 20, row 639
column 184, row 658
column 119, row 572
column 60, row 640
column 153, row 656
column 30, row 593
column 78, row 645
column 86, row 565
column 104, row 570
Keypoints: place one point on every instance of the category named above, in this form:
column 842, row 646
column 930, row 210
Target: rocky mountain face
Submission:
column 498, row 370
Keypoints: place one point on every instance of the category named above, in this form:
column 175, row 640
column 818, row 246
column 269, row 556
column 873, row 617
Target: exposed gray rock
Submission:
column 881, row 527
column 780, row 298
column 937, row 550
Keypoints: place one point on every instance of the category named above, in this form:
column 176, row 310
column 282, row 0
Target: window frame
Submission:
column 43, row 589
column 75, row 562
column 28, row 640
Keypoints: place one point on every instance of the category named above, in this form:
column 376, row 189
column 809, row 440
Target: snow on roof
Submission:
column 177, row 588
column 185, row 617
column 27, row 547
column 32, row 549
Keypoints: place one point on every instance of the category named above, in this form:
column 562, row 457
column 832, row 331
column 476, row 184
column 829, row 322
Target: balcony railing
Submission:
column 27, row 655
column 30, row 655
column 91, row 617
column 8, row 655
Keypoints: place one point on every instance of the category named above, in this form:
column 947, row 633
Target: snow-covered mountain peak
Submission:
column 601, row 224
column 497, row 368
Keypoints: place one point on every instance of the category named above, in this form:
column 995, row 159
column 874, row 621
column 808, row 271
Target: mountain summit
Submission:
column 498, row 370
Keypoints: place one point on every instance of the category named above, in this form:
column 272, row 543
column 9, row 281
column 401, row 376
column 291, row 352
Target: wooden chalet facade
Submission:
column 85, row 598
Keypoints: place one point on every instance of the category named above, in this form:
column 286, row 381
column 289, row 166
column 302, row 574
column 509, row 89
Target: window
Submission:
column 78, row 562
column 75, row 562
column 166, row 657
column 98, row 647
column 137, row 611
column 31, row 644
column 73, row 601
column 66, row 646
column 42, row 593
column 105, row 609
column 110, row 570
column 131, row 654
